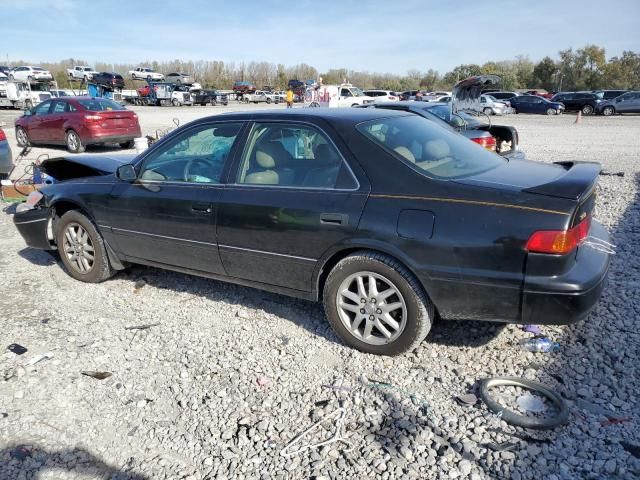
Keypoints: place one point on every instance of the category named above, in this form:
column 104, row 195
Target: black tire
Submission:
column 74, row 142
column 101, row 269
column 419, row 309
column 128, row 144
column 587, row 110
column 487, row 111
column 268, row 100
column 608, row 111
column 22, row 139
column 175, row 102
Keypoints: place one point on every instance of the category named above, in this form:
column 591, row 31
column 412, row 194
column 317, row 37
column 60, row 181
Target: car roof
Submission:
column 332, row 115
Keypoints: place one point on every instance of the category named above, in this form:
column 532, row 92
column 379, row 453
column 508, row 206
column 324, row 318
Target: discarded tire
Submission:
column 520, row 420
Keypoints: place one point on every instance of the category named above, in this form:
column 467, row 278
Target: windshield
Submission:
column 147, row 70
column 100, row 104
column 430, row 149
column 356, row 92
column 599, row 95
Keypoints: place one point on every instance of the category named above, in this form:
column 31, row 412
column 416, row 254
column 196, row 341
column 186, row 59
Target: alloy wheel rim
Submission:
column 372, row 308
column 22, row 136
column 73, row 141
column 78, row 248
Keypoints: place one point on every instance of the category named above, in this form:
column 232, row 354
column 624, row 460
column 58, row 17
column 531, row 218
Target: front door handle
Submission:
column 201, row 208
column 334, row 219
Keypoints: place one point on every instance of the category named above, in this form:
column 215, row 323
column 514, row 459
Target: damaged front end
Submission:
column 34, row 221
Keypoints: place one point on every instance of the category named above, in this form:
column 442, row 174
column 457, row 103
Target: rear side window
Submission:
column 292, row 155
column 428, row 148
column 100, row 105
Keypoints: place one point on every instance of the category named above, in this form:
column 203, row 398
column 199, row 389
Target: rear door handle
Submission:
column 334, row 219
column 201, row 207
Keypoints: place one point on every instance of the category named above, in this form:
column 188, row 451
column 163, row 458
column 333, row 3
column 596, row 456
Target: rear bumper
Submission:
column 570, row 297
column 32, row 226
column 109, row 137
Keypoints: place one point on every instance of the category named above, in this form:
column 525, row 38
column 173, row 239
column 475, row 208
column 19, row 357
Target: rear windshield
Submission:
column 100, row 105
column 430, row 149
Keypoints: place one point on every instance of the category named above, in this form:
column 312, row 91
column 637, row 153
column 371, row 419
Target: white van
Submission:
column 345, row 95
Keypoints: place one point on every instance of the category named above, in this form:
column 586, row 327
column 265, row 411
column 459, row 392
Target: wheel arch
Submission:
column 63, row 205
column 331, row 259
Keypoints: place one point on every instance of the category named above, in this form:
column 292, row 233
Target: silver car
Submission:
column 6, row 159
column 180, row 78
column 626, row 103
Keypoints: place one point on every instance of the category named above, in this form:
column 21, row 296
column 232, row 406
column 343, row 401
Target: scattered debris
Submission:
column 501, row 447
column 322, row 403
column 339, row 388
column 21, row 453
column 96, row 375
column 415, row 397
column 467, row 399
column 263, row 381
column 612, row 174
column 513, row 418
column 535, row 329
column 39, row 358
column 539, row 344
column 529, row 403
column 17, row 349
column 141, row 327
column 336, row 437
column 615, row 421
column 632, row 448
column 139, row 285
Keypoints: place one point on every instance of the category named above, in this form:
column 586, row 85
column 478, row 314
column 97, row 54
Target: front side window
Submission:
column 429, row 149
column 42, row 109
column 294, row 156
column 197, row 156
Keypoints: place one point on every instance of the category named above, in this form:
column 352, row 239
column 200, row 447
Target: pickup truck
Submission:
column 81, row 72
column 145, row 73
column 242, row 88
column 259, row 96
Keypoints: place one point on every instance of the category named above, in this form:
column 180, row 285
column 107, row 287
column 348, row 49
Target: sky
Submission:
column 367, row 35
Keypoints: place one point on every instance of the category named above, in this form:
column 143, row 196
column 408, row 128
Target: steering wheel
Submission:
column 191, row 163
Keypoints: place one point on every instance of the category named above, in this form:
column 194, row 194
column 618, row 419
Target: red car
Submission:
column 77, row 122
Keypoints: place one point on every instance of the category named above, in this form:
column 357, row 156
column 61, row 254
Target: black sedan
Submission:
column 386, row 217
column 203, row 97
column 108, row 79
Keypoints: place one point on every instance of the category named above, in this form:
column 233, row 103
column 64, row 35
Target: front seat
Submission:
column 268, row 157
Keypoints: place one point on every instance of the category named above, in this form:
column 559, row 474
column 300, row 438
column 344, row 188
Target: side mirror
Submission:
column 126, row 173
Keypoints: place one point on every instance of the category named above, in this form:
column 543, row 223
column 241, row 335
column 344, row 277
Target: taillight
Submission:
column 3, row 136
column 487, row 142
column 558, row 241
column 93, row 118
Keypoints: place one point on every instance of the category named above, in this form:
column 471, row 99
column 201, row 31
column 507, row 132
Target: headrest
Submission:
column 406, row 153
column 436, row 149
column 324, row 152
column 264, row 159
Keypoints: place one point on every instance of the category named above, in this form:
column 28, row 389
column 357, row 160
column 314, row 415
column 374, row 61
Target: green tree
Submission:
column 544, row 74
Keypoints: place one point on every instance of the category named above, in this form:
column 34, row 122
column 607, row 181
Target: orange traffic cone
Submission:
column 579, row 117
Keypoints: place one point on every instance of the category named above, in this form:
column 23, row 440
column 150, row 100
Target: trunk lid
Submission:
column 116, row 118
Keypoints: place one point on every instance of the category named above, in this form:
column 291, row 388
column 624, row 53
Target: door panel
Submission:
column 276, row 236
column 36, row 129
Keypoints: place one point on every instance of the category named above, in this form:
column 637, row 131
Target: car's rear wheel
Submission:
column 551, row 111
column 268, row 100
column 82, row 248
column 74, row 142
column 128, row 144
column 22, row 138
column 376, row 305
column 608, row 111
column 587, row 109
column 487, row 111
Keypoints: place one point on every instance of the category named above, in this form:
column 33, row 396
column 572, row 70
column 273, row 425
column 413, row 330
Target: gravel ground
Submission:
column 226, row 376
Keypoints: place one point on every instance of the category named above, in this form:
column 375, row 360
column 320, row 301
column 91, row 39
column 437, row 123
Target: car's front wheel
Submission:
column 551, row 111
column 82, row 248
column 587, row 110
column 376, row 305
column 488, row 111
column 608, row 111
column 22, row 139
column 74, row 142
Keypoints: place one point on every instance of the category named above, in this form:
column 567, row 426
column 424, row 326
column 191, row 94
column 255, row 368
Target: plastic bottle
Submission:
column 539, row 344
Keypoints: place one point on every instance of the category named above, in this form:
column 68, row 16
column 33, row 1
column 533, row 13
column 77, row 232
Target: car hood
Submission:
column 466, row 93
column 568, row 180
column 79, row 166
